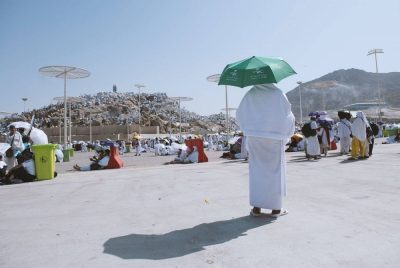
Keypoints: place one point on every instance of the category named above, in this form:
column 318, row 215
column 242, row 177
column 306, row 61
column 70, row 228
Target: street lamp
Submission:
column 376, row 51
column 24, row 99
column 301, row 107
column 215, row 78
column 139, row 86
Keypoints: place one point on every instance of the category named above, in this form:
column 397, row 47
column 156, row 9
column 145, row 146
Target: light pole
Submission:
column 301, row 107
column 376, row 51
column 139, row 86
column 24, row 99
column 215, row 78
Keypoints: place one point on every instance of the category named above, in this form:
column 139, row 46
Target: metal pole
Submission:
column 59, row 123
column 180, row 119
column 301, row 107
column 140, row 132
column 127, row 128
column 90, row 127
column 65, row 110
column 70, row 123
column 226, row 111
column 24, row 100
column 379, row 89
column 375, row 51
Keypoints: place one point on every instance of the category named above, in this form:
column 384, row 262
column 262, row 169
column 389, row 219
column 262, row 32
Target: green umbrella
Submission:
column 255, row 71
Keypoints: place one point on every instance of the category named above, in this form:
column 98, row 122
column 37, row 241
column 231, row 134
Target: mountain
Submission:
column 340, row 88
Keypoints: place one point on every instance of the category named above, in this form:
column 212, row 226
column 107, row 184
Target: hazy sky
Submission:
column 172, row 46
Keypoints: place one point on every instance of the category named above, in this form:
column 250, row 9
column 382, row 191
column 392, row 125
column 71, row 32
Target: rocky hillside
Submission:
column 112, row 108
column 344, row 87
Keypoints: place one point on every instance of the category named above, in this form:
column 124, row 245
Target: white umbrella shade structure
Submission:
column 21, row 124
column 38, row 136
column 4, row 147
column 64, row 72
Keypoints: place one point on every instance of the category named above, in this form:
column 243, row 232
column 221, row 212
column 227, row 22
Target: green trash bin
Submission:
column 128, row 147
column 71, row 152
column 66, row 155
column 45, row 161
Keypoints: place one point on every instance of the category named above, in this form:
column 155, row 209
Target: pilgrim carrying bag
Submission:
column 308, row 131
column 10, row 151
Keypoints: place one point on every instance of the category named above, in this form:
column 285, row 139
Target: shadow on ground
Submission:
column 181, row 242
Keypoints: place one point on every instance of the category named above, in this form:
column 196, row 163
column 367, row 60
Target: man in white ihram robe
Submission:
column 344, row 134
column 265, row 117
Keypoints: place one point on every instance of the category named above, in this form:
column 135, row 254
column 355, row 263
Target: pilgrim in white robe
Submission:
column 265, row 117
column 313, row 148
column 17, row 146
column 344, row 132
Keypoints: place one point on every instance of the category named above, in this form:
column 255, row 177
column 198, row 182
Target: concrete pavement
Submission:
column 341, row 214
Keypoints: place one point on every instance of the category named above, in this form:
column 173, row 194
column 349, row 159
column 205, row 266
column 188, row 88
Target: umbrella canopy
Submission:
column 4, row 147
column 255, row 71
column 21, row 124
column 317, row 113
column 38, row 136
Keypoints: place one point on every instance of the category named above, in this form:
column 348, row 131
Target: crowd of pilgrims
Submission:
column 355, row 136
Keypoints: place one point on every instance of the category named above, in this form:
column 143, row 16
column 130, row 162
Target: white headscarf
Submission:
column 266, row 112
column 359, row 126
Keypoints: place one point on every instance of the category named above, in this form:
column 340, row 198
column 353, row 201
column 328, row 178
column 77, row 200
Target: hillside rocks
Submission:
column 112, row 108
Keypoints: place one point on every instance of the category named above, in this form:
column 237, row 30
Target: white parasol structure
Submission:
column 179, row 100
column 215, row 79
column 64, row 72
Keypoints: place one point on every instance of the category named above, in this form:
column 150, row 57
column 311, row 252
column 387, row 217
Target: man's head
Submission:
column 12, row 128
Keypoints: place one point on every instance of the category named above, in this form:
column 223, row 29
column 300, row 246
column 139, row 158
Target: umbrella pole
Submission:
column 59, row 124
column 180, row 119
column 70, row 123
column 90, row 127
column 65, row 110
column 226, row 110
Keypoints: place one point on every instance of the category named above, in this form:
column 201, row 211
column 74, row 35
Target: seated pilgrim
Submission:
column 23, row 172
column 191, row 155
column 98, row 163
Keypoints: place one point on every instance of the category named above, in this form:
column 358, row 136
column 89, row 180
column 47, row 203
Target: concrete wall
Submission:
column 113, row 132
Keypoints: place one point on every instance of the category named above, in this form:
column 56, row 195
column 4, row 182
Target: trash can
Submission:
column 128, row 147
column 66, row 155
column 71, row 152
column 45, row 161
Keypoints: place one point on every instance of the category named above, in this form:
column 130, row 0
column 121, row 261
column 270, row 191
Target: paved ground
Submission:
column 342, row 214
